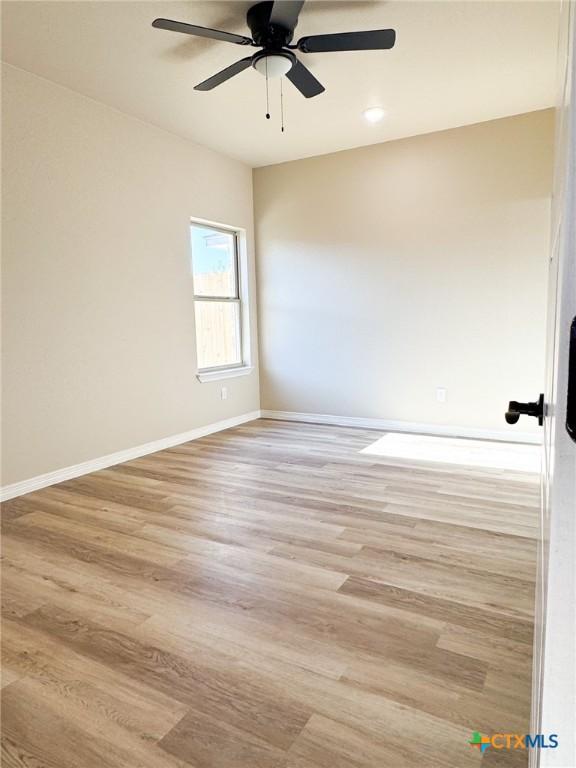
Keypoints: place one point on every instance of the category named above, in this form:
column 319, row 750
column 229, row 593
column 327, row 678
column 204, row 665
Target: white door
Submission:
column 554, row 684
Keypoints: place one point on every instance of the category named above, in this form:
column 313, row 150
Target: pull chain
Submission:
column 267, row 96
column 281, row 105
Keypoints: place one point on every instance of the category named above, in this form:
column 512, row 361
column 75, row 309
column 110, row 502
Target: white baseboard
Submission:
column 386, row 425
column 93, row 465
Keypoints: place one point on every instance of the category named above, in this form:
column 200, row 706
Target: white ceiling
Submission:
column 454, row 63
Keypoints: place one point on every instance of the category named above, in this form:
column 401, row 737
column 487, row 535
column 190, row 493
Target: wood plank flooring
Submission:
column 269, row 597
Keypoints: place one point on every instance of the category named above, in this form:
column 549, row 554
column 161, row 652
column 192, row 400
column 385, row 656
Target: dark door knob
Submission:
column 515, row 410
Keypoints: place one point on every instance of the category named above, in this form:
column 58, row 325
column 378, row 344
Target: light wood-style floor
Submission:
column 269, row 597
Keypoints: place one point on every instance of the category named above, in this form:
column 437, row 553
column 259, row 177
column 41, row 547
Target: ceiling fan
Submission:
column 272, row 24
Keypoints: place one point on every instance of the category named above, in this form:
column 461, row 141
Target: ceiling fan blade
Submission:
column 285, row 13
column 304, row 80
column 192, row 29
column 225, row 74
column 376, row 39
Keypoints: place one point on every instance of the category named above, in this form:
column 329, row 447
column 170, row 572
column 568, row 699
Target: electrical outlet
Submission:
column 224, row 393
column 441, row 394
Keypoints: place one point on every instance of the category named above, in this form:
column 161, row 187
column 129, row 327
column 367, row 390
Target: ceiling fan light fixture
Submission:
column 273, row 65
column 374, row 114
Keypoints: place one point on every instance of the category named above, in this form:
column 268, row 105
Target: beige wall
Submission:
column 99, row 347
column 387, row 271
column 384, row 272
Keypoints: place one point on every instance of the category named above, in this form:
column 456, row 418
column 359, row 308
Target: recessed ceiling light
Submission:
column 374, row 114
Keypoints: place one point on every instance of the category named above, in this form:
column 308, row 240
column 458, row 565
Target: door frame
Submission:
column 554, row 668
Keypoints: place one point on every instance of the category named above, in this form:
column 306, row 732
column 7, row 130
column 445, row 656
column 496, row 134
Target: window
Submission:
column 217, row 298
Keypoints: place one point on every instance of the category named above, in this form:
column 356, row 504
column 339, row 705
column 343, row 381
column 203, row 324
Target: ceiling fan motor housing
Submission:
column 270, row 36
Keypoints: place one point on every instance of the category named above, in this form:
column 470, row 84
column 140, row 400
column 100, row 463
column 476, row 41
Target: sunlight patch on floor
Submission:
column 451, row 450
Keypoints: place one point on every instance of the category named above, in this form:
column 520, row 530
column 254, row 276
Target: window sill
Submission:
column 225, row 373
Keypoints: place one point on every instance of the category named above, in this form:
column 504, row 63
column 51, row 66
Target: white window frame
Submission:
column 241, row 298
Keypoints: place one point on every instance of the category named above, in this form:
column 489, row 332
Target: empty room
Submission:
column 288, row 384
